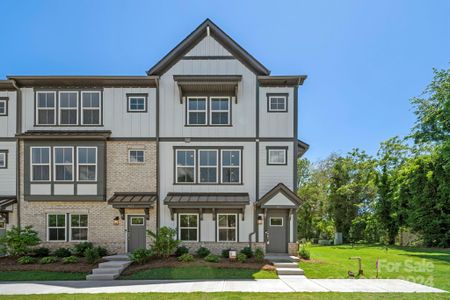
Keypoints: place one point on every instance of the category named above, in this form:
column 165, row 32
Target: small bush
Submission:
column 62, row 252
column 212, row 258
column 102, row 251
column 226, row 253
column 186, row 257
column 241, row 257
column 203, row 252
column 18, row 241
column 70, row 260
column 48, row 260
column 141, row 256
column 92, row 255
column 79, row 249
column 25, row 260
column 304, row 253
column 164, row 242
column 247, row 251
column 259, row 254
column 41, row 252
column 181, row 250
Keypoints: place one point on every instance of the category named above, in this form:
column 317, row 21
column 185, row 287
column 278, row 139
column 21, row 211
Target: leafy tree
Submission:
column 164, row 242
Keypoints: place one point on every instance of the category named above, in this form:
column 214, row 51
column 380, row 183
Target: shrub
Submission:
column 186, row 257
column 212, row 258
column 18, row 241
column 303, row 252
column 247, row 251
column 164, row 242
column 62, row 252
column 79, row 249
column 241, row 257
column 203, row 252
column 226, row 253
column 70, row 260
column 141, row 255
column 41, row 252
column 92, row 255
column 48, row 260
column 181, row 250
column 259, row 254
column 102, row 251
column 25, row 260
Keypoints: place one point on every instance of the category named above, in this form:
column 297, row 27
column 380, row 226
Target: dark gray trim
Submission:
column 279, row 188
column 285, row 148
column 224, row 139
column 6, row 100
column 63, row 198
column 7, row 139
column 158, row 165
column 6, row 158
column 207, row 57
column 295, row 137
column 82, row 81
column 147, row 139
column 255, row 217
column 130, row 95
column 294, row 225
column 286, row 95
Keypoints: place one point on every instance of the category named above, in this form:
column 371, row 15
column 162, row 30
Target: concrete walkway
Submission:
column 284, row 284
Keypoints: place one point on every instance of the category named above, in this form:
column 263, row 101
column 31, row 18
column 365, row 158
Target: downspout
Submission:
column 157, row 157
column 18, row 131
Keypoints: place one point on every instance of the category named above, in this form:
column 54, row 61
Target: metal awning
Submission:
column 122, row 200
column 67, row 134
column 207, row 201
column 207, row 85
column 6, row 203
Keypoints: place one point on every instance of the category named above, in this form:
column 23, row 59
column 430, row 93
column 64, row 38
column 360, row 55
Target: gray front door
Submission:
column 136, row 232
column 277, row 225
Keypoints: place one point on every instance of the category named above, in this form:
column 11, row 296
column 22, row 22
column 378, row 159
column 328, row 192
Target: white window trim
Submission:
column 5, row 113
column 99, row 108
column 63, row 164
column 3, row 166
column 277, row 163
column 228, row 111
column 137, row 110
column 235, row 228
column 46, row 108
column 277, row 109
column 48, row 228
column 136, row 162
column 238, row 167
column 205, row 110
column 282, row 222
column 208, row 167
column 87, row 164
column 179, row 227
column 78, row 227
column 60, row 109
column 49, row 164
column 193, row 166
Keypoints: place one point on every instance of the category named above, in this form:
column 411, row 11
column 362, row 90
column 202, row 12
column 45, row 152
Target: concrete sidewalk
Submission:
column 284, row 284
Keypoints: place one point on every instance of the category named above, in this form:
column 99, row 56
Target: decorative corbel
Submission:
column 243, row 213
column 235, row 94
column 201, row 214
column 180, row 91
column 5, row 216
column 171, row 214
column 147, row 213
column 122, row 213
column 214, row 214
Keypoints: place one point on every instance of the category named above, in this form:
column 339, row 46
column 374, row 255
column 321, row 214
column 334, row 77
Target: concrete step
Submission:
column 114, row 264
column 117, row 257
column 290, row 271
column 102, row 276
column 293, row 265
column 107, row 271
column 281, row 258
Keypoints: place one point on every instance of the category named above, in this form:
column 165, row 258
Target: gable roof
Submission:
column 195, row 37
column 279, row 188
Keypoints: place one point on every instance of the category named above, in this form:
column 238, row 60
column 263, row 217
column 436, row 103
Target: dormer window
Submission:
column 277, row 102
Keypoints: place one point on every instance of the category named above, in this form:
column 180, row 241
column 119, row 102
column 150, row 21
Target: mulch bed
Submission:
column 172, row 262
column 10, row 264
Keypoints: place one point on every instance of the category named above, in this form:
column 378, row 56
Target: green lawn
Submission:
column 39, row 275
column 229, row 296
column 426, row 266
column 201, row 273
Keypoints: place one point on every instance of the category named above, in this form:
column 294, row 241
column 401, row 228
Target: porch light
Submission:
column 260, row 220
column 116, row 221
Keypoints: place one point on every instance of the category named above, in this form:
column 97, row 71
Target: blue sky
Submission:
column 364, row 60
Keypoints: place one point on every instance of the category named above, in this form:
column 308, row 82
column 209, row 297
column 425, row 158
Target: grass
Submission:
column 425, row 266
column 230, row 296
column 201, row 273
column 39, row 275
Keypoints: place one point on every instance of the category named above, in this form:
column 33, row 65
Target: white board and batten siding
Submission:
column 208, row 46
column 8, row 123
column 276, row 124
column 115, row 115
column 8, row 175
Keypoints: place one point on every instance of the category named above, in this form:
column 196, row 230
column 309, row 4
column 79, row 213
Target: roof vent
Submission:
column 207, row 30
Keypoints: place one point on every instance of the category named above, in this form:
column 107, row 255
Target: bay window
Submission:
column 63, row 163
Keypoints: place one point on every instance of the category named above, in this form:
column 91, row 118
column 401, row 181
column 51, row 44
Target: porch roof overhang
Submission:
column 6, row 203
column 302, row 148
column 207, row 85
column 68, row 134
column 264, row 201
column 132, row 200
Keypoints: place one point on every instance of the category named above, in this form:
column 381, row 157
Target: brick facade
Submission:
column 217, row 247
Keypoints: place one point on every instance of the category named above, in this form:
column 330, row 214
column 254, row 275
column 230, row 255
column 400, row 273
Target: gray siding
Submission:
column 8, row 176
column 276, row 124
column 8, row 123
column 208, row 47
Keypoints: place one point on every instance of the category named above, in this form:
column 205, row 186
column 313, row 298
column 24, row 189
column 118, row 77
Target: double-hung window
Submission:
column 40, row 163
column 137, row 103
column 231, row 166
column 3, row 106
column 136, row 156
column 226, row 227
column 68, row 108
column 56, row 227
column 185, row 168
column 277, row 103
column 197, row 111
column 63, row 163
column 78, row 227
column 208, row 166
column 220, row 111
column 188, row 227
column 90, row 108
column 87, row 163
column 46, row 108
column 276, row 156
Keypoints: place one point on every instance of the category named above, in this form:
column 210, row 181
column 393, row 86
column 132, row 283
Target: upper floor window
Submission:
column 3, row 159
column 3, row 106
column 185, row 166
column 46, row 108
column 68, row 108
column 277, row 102
column 276, row 155
column 90, row 108
column 40, row 163
column 197, row 111
column 137, row 103
column 87, row 163
column 63, row 166
column 208, row 111
column 220, row 111
column 136, row 156
column 208, row 160
column 231, row 166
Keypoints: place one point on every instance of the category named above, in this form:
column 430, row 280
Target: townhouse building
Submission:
column 205, row 143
